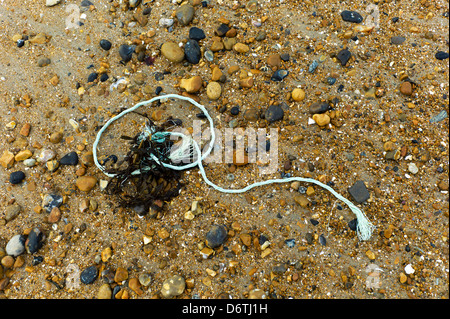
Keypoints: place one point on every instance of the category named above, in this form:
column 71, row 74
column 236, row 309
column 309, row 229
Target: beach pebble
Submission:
column 34, row 240
column 241, row 48
column 216, row 236
column 69, row 159
column 145, row 279
column 359, row 192
column 406, row 88
column 279, row 75
column 274, row 113
column 213, row 90
column 173, row 287
column 104, row 292
column 44, row 61
column 172, row 52
column 196, row 34
column 16, row 177
column 397, row 40
column 51, row 3
column 351, row 16
column 257, row 294
column 321, row 119
column 105, row 44
column 192, row 51
column 412, row 168
column 46, row 155
column 16, row 245
column 343, row 56
column 12, row 211
column 185, row 14
column 165, row 22
column 191, row 85
column 50, row 201
column 126, row 52
column 298, row 94
column 86, row 183
column 319, row 107
column 89, row 275
column 441, row 55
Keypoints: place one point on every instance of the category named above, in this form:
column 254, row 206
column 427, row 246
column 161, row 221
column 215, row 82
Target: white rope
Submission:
column 364, row 226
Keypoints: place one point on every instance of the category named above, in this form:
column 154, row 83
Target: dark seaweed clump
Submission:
column 145, row 192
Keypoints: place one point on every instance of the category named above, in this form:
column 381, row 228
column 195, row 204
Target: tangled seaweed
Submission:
column 146, row 192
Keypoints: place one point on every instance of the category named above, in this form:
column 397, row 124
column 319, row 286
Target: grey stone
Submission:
column 359, row 192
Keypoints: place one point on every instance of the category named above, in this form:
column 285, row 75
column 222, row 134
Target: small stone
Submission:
column 406, row 88
column 29, row 162
column 7, row 261
column 412, row 168
column 321, row 119
column 247, row 82
column 298, row 94
column 43, row 62
column 56, row 137
column 120, row 275
column 105, row 44
column 173, row 287
column 402, row 278
column 7, row 159
column 343, row 56
column 216, row 74
column 441, row 55
column 50, row 201
column 51, row 3
column 319, row 108
column 370, row 255
column 126, row 52
column 34, row 240
column 69, row 159
column 191, row 85
column 86, row 183
column 46, row 155
column 302, row 200
column 134, row 285
column 313, row 66
column 106, row 254
column 252, row 114
column 359, row 192
column 16, row 245
column 216, row 236
column 23, row 155
column 172, row 52
column 16, row 177
column 274, row 113
column 213, row 90
column 92, row 77
column 196, row 34
column 257, row 294
column 55, row 215
column 145, row 279
column 246, row 239
column 274, row 60
column 52, row 165
column 443, row 185
column 409, row 269
column 165, row 22
column 25, row 130
column 12, row 211
column 351, row 16
column 192, row 52
column 89, row 275
column 222, row 30
column 229, row 43
column 185, row 14
column 104, row 292
column 322, row 240
column 397, row 40
column 241, row 48
column 279, row 75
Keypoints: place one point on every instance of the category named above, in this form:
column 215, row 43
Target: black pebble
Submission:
column 92, row 77
column 395, row 19
column 89, row 275
column 196, row 34
column 125, row 52
column 343, row 56
column 37, row 260
column 274, row 113
column 314, row 222
column 216, row 236
column 192, row 51
column 147, row 11
column 20, row 43
column 359, row 192
column 309, row 238
column 158, row 90
column 105, row 44
column 351, row 16
column 353, row 224
column 234, row 110
column 52, row 200
column 279, row 75
column 104, row 77
column 222, row 30
column 16, row 177
column 322, row 240
column 285, row 57
column 440, row 55
column 69, row 159
column 34, row 240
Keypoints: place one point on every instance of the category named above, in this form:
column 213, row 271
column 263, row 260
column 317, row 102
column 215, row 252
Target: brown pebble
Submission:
column 121, row 275
column 406, row 88
column 55, row 215
column 7, row 261
column 134, row 285
column 86, row 183
column 25, row 130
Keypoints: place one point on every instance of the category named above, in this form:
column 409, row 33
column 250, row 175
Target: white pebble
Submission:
column 409, row 269
column 164, row 22
column 412, row 168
